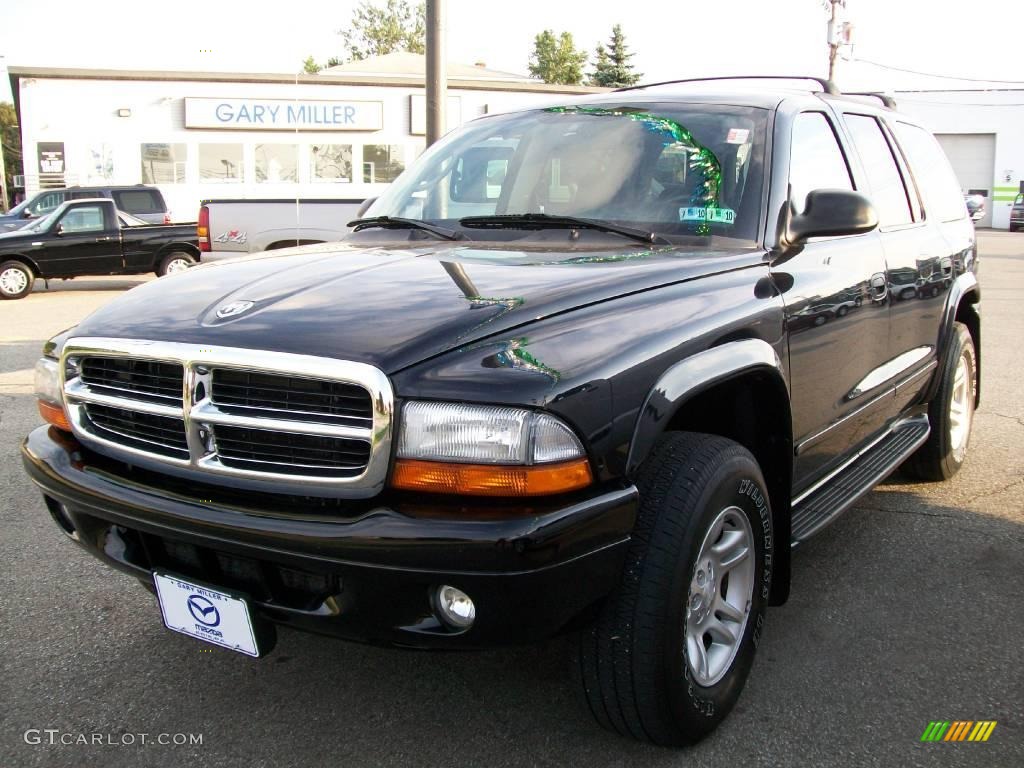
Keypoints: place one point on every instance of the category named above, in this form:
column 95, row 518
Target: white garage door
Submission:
column 973, row 156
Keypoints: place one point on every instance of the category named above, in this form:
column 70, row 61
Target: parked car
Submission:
column 583, row 410
column 91, row 237
column 250, row 226
column 1017, row 213
column 147, row 203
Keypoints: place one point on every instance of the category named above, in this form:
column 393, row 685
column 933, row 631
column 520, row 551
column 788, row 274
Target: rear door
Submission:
column 943, row 249
column 836, row 315
column 85, row 240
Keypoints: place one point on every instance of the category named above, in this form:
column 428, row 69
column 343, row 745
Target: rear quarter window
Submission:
column 140, row 201
column 932, row 173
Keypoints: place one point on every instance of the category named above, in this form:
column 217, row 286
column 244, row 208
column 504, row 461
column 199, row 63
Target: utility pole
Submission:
column 838, row 34
column 437, row 75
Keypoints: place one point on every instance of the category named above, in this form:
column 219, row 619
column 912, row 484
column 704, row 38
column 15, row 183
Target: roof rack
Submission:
column 886, row 100
column 826, row 85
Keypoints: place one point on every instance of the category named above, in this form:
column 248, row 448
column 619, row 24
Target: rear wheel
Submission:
column 178, row 261
column 16, row 280
column 669, row 655
column 951, row 413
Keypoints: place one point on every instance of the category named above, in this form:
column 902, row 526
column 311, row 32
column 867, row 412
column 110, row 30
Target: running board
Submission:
column 814, row 510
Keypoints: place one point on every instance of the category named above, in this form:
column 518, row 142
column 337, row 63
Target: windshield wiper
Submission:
column 392, row 222
column 547, row 221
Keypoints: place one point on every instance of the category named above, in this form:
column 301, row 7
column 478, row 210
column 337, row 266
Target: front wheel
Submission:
column 669, row 655
column 950, row 413
column 178, row 261
column 16, row 280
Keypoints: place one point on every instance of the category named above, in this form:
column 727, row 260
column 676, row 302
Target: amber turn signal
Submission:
column 54, row 414
column 491, row 480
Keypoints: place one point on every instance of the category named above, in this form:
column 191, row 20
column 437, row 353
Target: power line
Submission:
column 932, row 74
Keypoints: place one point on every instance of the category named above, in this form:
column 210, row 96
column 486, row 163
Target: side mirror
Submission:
column 831, row 212
column 59, row 230
column 365, row 206
column 26, row 214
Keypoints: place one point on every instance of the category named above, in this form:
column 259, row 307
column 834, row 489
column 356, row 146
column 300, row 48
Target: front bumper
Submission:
column 363, row 571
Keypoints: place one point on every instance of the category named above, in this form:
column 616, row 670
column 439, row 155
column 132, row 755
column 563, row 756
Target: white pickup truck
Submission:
column 250, row 226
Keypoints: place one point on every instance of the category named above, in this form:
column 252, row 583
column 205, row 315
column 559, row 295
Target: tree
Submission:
column 377, row 31
column 10, row 138
column 309, row 66
column 614, row 71
column 556, row 60
column 334, row 61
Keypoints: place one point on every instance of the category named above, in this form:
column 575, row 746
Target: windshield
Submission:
column 676, row 170
column 42, row 224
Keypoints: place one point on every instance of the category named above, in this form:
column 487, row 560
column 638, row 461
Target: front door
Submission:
column 85, row 240
column 837, row 317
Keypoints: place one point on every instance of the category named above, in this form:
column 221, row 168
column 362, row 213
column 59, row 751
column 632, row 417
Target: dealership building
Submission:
column 348, row 131
column 344, row 133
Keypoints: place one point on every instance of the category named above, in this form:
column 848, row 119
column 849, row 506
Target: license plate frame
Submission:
column 207, row 613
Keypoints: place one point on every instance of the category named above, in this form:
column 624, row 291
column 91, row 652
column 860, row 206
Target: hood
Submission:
column 389, row 307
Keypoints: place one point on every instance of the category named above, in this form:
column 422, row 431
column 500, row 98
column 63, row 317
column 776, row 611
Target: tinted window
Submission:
column 817, row 162
column 87, row 218
column 932, row 173
column 686, row 171
column 47, row 203
column 888, row 193
column 139, row 201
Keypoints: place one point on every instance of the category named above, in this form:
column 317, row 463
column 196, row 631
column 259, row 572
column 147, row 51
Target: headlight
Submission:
column 487, row 451
column 48, row 390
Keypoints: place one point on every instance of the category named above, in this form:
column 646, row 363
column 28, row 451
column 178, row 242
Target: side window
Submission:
column 87, row 218
column 817, row 161
column 47, row 203
column 888, row 192
column 139, row 201
column 932, row 173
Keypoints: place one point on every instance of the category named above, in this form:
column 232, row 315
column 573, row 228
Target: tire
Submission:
column 950, row 413
column 16, row 280
column 841, row 312
column 177, row 261
column 636, row 676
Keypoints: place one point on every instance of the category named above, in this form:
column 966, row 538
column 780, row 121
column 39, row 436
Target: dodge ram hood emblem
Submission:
column 234, row 308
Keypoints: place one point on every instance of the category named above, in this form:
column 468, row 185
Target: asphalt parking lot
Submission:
column 908, row 609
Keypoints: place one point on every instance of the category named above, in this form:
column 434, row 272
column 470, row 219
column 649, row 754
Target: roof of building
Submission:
column 408, row 64
column 461, row 76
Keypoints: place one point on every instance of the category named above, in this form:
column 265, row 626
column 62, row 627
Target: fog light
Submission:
column 455, row 607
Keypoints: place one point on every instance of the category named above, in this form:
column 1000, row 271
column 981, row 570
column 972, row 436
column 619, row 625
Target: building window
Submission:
column 331, row 162
column 382, row 163
column 163, row 163
column 101, row 164
column 220, row 162
column 277, row 163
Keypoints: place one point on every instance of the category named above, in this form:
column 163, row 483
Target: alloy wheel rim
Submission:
column 177, row 265
column 13, row 281
column 720, row 596
column 960, row 411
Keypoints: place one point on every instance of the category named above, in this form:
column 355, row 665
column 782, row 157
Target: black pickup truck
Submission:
column 91, row 237
column 594, row 368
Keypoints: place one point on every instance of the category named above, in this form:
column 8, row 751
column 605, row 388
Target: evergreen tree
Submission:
column 556, row 60
column 309, row 66
column 615, row 71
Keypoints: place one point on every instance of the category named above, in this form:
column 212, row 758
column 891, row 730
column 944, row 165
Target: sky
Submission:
column 979, row 39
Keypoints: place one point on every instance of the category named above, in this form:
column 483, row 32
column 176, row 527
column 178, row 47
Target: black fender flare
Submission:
column 30, row 262
column 697, row 374
column 964, row 284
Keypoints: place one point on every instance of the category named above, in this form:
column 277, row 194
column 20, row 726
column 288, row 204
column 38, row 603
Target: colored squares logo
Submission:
column 958, row 730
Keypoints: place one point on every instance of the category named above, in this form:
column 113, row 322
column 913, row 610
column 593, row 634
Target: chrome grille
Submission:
column 290, row 397
column 158, row 434
column 305, row 454
column 267, row 420
column 151, row 380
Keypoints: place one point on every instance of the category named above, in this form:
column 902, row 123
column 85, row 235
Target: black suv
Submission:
column 594, row 368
